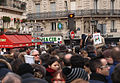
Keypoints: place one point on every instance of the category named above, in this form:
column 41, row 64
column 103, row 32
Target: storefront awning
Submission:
column 12, row 41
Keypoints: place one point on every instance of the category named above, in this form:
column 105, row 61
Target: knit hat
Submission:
column 74, row 73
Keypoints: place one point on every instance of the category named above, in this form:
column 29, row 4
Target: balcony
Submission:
column 16, row 4
column 78, row 13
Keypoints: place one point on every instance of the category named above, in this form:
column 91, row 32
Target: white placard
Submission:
column 29, row 59
column 97, row 38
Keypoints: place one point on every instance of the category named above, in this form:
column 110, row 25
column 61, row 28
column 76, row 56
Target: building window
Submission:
column 113, row 26
column 66, row 6
column 86, row 26
column 66, row 25
column 102, row 28
column 37, row 8
column 112, row 6
column 53, row 6
column 73, row 5
column 96, row 5
column 53, row 25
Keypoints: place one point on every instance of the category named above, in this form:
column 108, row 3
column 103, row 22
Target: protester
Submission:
column 66, row 59
column 82, row 41
column 116, row 60
column 15, row 64
column 79, row 81
column 21, row 56
column 77, row 61
column 53, row 67
column 86, row 65
column 88, row 40
column 74, row 73
column 33, row 80
column 39, row 71
column 108, row 56
column 99, row 69
column 116, row 74
column 11, row 78
column 44, row 58
column 84, row 54
column 25, row 70
column 91, row 50
column 36, row 55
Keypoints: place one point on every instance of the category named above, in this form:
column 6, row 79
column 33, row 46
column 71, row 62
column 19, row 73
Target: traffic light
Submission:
column 71, row 15
column 71, row 22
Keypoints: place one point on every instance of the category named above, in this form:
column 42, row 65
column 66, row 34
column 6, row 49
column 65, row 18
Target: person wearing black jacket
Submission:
column 99, row 69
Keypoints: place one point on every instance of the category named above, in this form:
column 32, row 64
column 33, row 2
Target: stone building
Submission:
column 14, row 10
column 89, row 15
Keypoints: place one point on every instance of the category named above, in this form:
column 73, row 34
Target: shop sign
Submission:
column 53, row 39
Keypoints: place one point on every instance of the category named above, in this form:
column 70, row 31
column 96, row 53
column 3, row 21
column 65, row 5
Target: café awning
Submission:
column 12, row 41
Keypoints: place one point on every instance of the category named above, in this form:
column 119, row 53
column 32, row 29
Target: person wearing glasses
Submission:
column 36, row 55
column 99, row 69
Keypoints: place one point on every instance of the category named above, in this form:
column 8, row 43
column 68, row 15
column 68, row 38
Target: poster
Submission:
column 29, row 59
column 97, row 38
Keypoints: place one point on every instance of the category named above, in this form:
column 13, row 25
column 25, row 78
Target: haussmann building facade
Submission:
column 89, row 15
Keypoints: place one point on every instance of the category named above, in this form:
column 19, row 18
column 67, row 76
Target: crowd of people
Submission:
column 60, row 64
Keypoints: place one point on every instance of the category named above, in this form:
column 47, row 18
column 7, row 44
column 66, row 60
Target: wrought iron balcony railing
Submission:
column 78, row 13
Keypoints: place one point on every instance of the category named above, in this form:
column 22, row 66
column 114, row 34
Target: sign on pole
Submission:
column 72, row 34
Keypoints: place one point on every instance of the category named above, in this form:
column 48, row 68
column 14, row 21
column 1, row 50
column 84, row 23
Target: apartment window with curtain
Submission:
column 37, row 7
column 53, row 26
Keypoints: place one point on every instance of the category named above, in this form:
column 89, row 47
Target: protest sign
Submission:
column 97, row 38
column 29, row 59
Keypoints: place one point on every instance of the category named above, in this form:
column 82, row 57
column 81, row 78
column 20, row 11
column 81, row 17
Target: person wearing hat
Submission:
column 74, row 73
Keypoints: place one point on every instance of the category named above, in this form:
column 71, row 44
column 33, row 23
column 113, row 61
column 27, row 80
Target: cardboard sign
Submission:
column 97, row 38
column 29, row 59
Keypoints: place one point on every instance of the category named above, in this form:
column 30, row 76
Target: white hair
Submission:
column 34, row 50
